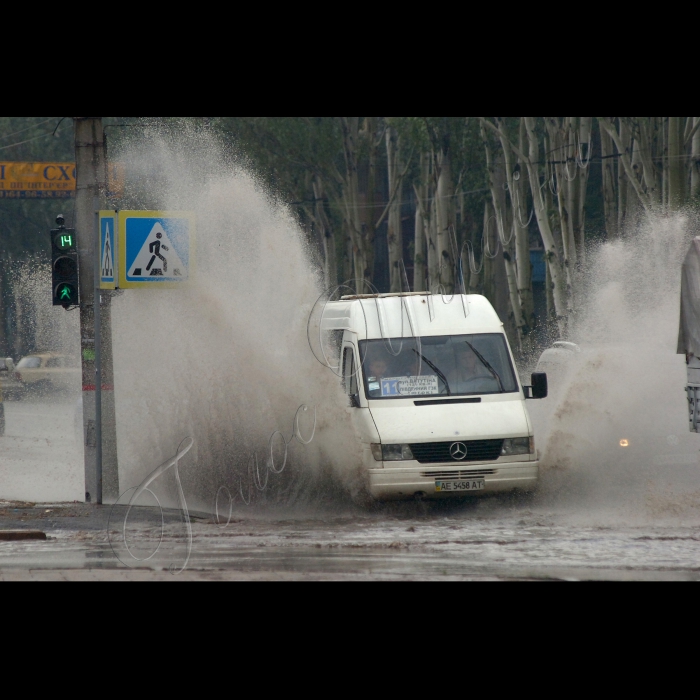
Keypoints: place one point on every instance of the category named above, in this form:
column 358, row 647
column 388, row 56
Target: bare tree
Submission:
column 395, row 233
column 503, row 210
column 422, row 225
column 694, row 138
column 531, row 159
column 330, row 263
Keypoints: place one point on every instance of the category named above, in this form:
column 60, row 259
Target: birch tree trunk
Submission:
column 560, row 148
column 464, row 235
column 476, row 273
column 585, row 139
column 516, row 251
column 609, row 181
column 664, row 157
column 395, row 234
column 676, row 163
column 695, row 162
column 522, row 239
column 446, row 222
column 504, row 222
column 551, row 253
column 572, row 189
column 420, row 259
column 351, row 198
column 330, row 269
column 623, row 149
column 369, row 215
column 629, row 166
column 644, row 153
column 432, row 243
column 551, row 309
column 490, row 244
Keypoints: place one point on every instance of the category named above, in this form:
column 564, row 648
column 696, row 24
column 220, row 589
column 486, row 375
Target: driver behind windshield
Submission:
column 377, row 369
column 386, row 366
column 471, row 377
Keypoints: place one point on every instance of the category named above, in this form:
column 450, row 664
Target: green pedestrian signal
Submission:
column 65, row 266
column 66, row 295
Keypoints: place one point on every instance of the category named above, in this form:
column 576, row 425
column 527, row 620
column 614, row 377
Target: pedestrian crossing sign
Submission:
column 155, row 248
column 108, row 258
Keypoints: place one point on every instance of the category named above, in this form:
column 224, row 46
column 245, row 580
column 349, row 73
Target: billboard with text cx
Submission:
column 49, row 180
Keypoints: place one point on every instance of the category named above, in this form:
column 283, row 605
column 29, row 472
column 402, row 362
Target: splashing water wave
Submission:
column 226, row 360
column 614, row 433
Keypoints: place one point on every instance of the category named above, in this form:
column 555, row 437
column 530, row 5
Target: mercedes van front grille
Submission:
column 442, row 452
column 459, row 476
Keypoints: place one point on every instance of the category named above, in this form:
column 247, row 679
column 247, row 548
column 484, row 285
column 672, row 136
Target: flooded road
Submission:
column 623, row 516
column 497, row 539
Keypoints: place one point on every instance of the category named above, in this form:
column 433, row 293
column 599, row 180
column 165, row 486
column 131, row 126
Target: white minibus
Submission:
column 434, row 396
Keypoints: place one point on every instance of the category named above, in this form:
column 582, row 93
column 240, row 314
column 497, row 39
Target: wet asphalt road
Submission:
column 602, row 522
column 498, row 540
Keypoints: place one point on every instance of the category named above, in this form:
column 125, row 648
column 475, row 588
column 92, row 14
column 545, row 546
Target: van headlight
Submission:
column 392, row 453
column 518, row 446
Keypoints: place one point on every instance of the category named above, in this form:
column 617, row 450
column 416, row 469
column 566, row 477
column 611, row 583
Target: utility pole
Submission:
column 4, row 350
column 99, row 416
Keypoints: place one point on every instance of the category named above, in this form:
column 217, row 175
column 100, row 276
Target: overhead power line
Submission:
column 21, row 143
column 53, row 132
column 28, row 128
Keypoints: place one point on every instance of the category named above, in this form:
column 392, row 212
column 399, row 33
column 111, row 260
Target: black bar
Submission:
column 446, row 402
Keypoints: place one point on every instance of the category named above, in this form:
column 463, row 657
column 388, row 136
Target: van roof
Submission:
column 406, row 315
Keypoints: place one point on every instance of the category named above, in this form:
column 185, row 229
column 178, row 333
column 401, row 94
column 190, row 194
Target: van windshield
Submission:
column 454, row 365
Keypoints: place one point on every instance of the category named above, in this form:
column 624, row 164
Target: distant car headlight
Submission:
column 518, row 446
column 392, row 453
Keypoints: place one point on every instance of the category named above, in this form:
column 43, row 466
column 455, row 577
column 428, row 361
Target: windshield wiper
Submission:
column 436, row 370
column 486, row 364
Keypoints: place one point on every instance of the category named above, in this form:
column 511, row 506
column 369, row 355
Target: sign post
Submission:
column 99, row 414
column 99, row 461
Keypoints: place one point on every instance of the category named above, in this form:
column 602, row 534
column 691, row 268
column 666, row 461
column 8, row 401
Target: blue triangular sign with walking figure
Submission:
column 157, row 257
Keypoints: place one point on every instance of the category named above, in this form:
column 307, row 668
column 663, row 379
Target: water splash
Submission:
column 225, row 360
column 626, row 387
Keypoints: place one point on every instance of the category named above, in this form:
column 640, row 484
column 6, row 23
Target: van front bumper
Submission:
column 409, row 483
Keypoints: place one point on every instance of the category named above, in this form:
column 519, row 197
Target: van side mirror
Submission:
column 539, row 388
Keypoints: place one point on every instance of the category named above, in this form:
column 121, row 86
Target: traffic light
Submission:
column 64, row 266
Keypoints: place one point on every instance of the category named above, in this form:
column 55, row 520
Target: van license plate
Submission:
column 457, row 486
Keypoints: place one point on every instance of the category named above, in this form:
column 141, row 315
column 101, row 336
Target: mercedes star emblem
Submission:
column 459, row 451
